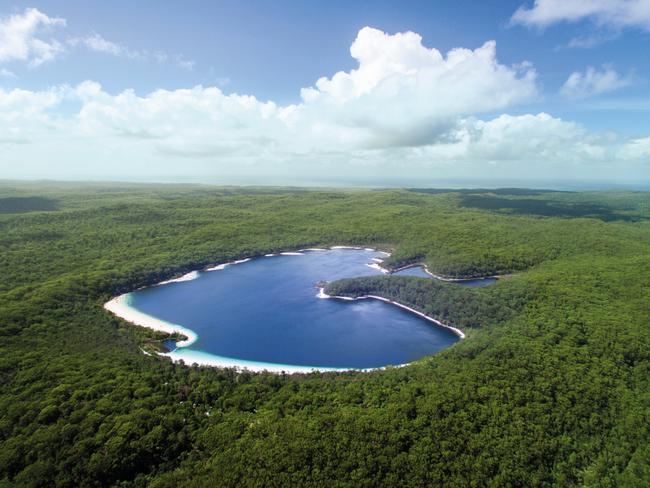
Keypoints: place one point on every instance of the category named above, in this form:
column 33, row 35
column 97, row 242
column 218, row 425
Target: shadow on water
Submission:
column 27, row 204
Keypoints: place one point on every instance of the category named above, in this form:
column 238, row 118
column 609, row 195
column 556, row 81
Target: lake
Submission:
column 265, row 313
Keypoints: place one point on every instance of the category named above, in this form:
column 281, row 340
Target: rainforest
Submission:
column 550, row 387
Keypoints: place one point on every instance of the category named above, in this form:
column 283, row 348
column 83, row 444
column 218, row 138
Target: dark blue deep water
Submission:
column 266, row 310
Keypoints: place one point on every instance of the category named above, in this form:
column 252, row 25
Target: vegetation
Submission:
column 450, row 303
column 551, row 388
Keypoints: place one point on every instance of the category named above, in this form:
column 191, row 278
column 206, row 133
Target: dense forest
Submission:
column 465, row 307
column 550, row 388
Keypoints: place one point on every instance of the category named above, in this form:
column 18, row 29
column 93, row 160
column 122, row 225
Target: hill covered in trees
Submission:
column 551, row 387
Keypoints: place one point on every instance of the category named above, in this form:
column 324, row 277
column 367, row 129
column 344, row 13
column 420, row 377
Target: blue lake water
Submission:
column 266, row 310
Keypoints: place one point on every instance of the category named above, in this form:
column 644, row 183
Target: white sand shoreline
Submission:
column 121, row 307
column 438, row 277
column 190, row 357
column 455, row 330
column 378, row 267
column 218, row 267
column 192, row 275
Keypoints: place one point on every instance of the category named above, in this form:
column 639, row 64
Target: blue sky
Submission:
column 77, row 80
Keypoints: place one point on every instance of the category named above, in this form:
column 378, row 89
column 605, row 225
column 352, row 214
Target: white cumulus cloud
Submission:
column 405, row 109
column 403, row 93
column 517, row 141
column 637, row 149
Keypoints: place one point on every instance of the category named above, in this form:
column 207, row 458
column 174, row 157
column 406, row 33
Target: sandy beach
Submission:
column 224, row 265
column 192, row 275
column 121, row 307
column 189, row 357
column 444, row 278
column 458, row 332
column 378, row 268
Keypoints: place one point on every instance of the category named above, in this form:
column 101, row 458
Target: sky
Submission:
column 356, row 92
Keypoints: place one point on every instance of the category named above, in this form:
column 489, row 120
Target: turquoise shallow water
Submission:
column 266, row 310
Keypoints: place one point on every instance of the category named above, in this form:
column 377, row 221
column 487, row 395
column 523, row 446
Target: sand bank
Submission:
column 458, row 332
column 201, row 358
column 192, row 275
column 378, row 267
column 121, row 306
column 224, row 265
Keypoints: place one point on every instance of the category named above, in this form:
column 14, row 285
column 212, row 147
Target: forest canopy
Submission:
column 551, row 387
